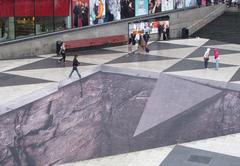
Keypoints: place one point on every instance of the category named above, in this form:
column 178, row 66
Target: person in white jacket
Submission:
column 206, row 58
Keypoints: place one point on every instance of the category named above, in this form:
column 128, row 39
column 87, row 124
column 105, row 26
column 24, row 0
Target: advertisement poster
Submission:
column 164, row 24
column 155, row 6
column 178, row 4
column 190, row 3
column 127, row 8
column 137, row 28
column 97, row 11
column 113, row 10
column 80, row 13
column 141, row 7
column 151, row 26
column 167, row 5
column 203, row 2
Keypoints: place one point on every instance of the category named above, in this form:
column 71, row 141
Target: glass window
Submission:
column 44, row 16
column 80, row 13
column 6, row 20
column 25, row 20
column 62, row 15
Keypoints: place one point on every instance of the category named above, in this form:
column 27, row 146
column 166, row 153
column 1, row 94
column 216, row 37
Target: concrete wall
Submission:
column 192, row 19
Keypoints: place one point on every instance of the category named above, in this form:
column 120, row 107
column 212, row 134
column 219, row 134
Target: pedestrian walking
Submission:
column 160, row 31
column 129, row 45
column 216, row 58
column 206, row 58
column 75, row 65
column 146, row 38
column 167, row 33
column 141, row 44
column 63, row 53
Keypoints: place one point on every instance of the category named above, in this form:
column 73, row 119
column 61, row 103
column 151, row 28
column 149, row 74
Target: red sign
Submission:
column 44, row 7
column 26, row 8
column 61, row 7
column 6, row 8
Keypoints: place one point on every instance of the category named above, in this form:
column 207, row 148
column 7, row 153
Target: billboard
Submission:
column 167, row 5
column 113, row 10
column 127, row 8
column 80, row 13
column 190, row 3
column 141, row 7
column 97, row 11
column 178, row 4
column 155, row 6
column 151, row 26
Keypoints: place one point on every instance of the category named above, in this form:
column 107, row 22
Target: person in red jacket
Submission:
column 216, row 58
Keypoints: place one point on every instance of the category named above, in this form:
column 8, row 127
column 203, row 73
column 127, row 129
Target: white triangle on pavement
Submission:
column 223, row 74
column 170, row 97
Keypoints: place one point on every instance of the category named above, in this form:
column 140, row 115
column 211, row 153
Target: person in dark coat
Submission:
column 85, row 15
column 76, row 63
column 160, row 31
column 146, row 37
column 77, row 11
column 167, row 33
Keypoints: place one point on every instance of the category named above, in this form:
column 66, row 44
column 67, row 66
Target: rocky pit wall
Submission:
column 64, row 127
column 117, row 114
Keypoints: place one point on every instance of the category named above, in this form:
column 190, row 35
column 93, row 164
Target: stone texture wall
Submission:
column 64, row 127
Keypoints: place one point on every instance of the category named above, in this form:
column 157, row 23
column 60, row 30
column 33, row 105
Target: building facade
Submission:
column 23, row 18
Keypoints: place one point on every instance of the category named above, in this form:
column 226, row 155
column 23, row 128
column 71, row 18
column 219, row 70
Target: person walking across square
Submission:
column 216, row 58
column 76, row 63
column 130, row 44
column 63, row 53
column 206, row 58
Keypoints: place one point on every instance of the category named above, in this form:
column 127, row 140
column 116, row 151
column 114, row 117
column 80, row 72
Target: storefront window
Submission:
column 80, row 13
column 44, row 16
column 62, row 15
column 25, row 20
column 6, row 20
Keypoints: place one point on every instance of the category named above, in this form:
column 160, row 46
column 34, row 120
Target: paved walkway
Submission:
column 179, row 57
column 176, row 57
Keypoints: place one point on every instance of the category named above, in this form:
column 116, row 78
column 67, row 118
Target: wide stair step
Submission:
column 225, row 28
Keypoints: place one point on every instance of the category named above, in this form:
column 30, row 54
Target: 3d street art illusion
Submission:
column 117, row 114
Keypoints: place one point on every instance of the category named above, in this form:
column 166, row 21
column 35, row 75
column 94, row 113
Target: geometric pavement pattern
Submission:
column 183, row 118
column 190, row 154
column 157, row 59
column 185, row 156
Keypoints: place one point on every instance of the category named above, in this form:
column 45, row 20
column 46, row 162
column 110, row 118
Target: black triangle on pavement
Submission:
column 201, row 50
column 185, row 156
column 188, row 64
column 47, row 63
column 214, row 42
column 138, row 57
column 166, row 46
column 236, row 76
column 13, row 80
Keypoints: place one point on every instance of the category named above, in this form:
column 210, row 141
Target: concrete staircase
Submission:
column 225, row 28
